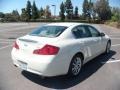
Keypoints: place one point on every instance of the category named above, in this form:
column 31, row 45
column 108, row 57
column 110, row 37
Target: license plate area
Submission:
column 22, row 65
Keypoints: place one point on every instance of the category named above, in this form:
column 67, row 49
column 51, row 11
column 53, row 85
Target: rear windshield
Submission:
column 48, row 31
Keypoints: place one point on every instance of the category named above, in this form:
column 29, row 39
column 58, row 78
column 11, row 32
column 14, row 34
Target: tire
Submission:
column 108, row 47
column 75, row 66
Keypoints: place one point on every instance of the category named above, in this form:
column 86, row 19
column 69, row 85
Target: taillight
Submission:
column 16, row 45
column 47, row 50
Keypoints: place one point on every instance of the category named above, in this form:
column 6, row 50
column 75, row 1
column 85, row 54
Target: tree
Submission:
column 35, row 14
column 47, row 12
column 93, row 12
column 69, row 9
column 86, row 9
column 28, row 10
column 115, row 14
column 8, row 17
column 2, row 15
column 15, row 15
column 103, row 9
column 41, row 12
column 11, row 17
column 76, row 13
column 24, row 15
column 62, row 11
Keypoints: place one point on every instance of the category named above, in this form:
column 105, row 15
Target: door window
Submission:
column 81, row 32
column 94, row 32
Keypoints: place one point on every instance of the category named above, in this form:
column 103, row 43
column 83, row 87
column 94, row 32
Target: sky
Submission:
column 7, row 6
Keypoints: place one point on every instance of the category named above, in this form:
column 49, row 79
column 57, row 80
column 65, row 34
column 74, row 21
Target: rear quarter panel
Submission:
column 68, row 48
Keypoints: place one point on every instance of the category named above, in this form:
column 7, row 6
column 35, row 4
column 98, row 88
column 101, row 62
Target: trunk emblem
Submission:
column 25, row 45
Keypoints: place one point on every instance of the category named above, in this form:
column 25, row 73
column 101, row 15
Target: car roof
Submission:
column 67, row 24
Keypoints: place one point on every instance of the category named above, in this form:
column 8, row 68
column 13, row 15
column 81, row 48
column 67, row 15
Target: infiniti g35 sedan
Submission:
column 59, row 48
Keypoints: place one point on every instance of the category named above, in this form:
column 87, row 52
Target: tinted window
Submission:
column 93, row 31
column 81, row 32
column 49, row 31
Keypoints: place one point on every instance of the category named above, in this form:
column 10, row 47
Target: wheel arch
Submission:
column 80, row 54
column 109, row 41
column 82, row 57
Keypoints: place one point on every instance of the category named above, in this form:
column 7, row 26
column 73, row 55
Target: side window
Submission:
column 81, row 32
column 76, row 33
column 93, row 31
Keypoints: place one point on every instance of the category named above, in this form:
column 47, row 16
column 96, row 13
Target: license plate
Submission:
column 22, row 65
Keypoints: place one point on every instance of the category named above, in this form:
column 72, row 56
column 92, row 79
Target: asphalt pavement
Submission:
column 102, row 73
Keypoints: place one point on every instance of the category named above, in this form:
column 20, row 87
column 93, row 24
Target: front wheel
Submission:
column 108, row 47
column 75, row 66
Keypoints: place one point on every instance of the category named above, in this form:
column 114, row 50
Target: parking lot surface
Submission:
column 102, row 73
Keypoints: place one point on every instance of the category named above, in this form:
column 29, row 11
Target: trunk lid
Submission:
column 28, row 44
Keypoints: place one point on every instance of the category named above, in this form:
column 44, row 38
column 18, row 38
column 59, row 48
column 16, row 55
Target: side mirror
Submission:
column 102, row 34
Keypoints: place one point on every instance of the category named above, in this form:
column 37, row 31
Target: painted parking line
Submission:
column 113, row 35
column 5, row 47
column 5, row 42
column 111, row 61
column 7, row 39
column 115, row 38
column 115, row 45
column 20, row 28
column 14, row 32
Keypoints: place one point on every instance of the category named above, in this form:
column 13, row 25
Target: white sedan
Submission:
column 59, row 48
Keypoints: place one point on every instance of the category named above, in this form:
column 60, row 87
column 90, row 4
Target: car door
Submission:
column 83, row 35
column 96, row 39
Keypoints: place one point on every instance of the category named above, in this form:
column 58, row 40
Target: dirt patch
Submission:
column 113, row 24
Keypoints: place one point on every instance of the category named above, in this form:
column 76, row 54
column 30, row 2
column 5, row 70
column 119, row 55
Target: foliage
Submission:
column 103, row 9
column 47, row 13
column 115, row 14
column 35, row 13
column 86, row 9
column 41, row 12
column 15, row 15
column 62, row 11
column 28, row 11
column 23, row 15
column 2, row 15
column 8, row 17
column 96, row 11
column 69, row 9
column 76, row 15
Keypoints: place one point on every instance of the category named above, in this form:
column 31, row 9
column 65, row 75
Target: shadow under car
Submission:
column 63, row 82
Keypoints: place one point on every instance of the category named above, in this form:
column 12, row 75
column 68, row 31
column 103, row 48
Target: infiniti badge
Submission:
column 25, row 45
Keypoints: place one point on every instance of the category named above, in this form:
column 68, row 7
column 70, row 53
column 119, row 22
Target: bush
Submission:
column 52, row 20
column 114, row 18
column 118, row 24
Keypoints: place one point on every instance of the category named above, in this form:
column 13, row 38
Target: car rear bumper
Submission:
column 39, row 64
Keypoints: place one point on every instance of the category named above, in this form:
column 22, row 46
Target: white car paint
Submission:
column 53, row 65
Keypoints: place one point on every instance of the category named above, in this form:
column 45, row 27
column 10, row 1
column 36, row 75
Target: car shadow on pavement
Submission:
column 63, row 82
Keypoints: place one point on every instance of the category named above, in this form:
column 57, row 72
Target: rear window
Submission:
column 48, row 31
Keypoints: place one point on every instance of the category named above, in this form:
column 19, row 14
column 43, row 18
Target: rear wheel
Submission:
column 75, row 66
